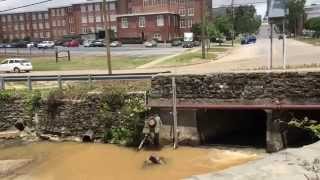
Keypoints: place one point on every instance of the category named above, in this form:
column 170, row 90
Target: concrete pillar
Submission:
column 274, row 137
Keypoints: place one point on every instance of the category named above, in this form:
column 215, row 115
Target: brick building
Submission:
column 158, row 19
column 144, row 19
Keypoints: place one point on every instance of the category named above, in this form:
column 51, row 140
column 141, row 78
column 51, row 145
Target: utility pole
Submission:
column 284, row 48
column 106, row 16
column 174, row 113
column 203, row 29
column 271, row 46
column 233, row 29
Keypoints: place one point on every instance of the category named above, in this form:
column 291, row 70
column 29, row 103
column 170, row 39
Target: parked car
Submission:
column 116, row 44
column 188, row 44
column 196, row 43
column 15, row 65
column 20, row 44
column 176, row 42
column 87, row 43
column 280, row 37
column 248, row 40
column 32, row 45
column 46, row 44
column 97, row 43
column 151, row 43
column 72, row 43
column 2, row 45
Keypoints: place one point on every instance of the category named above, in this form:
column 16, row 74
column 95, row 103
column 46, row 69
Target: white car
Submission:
column 15, row 65
column 46, row 44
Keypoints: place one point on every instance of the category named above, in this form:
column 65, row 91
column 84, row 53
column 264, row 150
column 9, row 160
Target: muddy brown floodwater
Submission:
column 73, row 161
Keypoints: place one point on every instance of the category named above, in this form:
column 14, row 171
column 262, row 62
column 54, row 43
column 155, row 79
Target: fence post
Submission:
column 69, row 58
column 2, row 83
column 56, row 55
column 90, row 80
column 29, row 83
column 59, row 81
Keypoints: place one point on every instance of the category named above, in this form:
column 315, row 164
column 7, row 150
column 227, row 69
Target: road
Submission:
column 241, row 58
column 126, row 50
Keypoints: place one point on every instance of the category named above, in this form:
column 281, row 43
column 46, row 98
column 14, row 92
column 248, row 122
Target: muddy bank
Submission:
column 291, row 164
column 73, row 161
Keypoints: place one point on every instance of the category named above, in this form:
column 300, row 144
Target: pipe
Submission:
column 19, row 125
column 88, row 136
column 246, row 107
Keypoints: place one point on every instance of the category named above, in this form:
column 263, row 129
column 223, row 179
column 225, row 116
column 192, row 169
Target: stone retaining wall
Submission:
column 290, row 87
column 11, row 112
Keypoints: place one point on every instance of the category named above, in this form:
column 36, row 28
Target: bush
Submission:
column 123, row 117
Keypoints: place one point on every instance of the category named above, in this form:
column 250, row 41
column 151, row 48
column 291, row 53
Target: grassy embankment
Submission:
column 313, row 41
column 190, row 58
column 87, row 63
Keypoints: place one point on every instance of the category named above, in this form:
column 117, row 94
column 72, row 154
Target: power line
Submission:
column 24, row 6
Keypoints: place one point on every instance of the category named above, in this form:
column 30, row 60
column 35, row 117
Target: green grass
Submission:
column 187, row 59
column 313, row 41
column 87, row 63
column 218, row 49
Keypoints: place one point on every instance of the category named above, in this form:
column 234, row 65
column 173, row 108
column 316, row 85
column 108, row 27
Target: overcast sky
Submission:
column 7, row 4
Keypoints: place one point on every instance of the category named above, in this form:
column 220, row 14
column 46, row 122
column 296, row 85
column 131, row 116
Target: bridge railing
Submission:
column 82, row 77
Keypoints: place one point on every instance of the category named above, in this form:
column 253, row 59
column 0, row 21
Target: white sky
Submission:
column 7, row 4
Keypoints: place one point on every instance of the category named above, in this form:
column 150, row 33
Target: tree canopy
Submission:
column 296, row 13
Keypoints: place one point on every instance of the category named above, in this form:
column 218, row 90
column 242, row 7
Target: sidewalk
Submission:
column 160, row 60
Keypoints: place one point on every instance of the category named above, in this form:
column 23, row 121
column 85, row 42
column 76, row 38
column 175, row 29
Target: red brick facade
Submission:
column 174, row 16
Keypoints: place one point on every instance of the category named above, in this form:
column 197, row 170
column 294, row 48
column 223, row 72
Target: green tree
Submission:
column 223, row 24
column 246, row 20
column 196, row 29
column 296, row 14
column 313, row 24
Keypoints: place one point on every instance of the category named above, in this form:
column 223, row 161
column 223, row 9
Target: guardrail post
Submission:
column 69, row 58
column 2, row 84
column 90, row 80
column 29, row 83
column 60, row 82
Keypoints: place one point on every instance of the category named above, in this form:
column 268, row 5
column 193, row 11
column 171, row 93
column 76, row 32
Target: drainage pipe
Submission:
column 19, row 125
column 88, row 136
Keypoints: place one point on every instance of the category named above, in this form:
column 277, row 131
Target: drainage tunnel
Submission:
column 232, row 127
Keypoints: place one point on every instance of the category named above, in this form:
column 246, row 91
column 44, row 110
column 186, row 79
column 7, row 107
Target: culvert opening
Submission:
column 297, row 127
column 232, row 127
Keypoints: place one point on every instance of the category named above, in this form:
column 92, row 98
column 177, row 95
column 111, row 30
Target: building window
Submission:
column 112, row 6
column 62, row 12
column 34, row 17
column 90, row 8
column 98, row 18
column 9, row 18
column 182, row 23
column 160, row 20
column 34, row 26
column 54, row 23
column 84, row 19
column 39, row 16
column 83, row 8
column 21, row 27
column 157, row 36
column 113, row 18
column 182, row 12
column 47, row 25
column 142, row 21
column 3, row 19
column 124, row 23
column 40, row 26
column 97, row 7
column 91, row 19
column 21, row 18
column 191, row 12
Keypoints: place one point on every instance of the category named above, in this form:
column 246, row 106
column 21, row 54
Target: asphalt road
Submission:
column 127, row 50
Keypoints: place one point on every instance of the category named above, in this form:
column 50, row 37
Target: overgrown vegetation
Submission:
column 122, row 116
column 311, row 126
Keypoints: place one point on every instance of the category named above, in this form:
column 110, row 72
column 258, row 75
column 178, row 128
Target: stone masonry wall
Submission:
column 290, row 87
column 11, row 112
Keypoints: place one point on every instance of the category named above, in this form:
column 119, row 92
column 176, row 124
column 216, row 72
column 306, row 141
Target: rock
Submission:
column 8, row 167
column 154, row 160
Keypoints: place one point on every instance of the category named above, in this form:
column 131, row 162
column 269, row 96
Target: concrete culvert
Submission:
column 232, row 127
column 88, row 136
column 19, row 125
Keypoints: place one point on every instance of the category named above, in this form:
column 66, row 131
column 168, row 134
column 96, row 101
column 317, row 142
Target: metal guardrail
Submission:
column 89, row 78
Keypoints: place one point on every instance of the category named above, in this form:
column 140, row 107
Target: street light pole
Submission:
column 203, row 29
column 106, row 16
column 233, row 33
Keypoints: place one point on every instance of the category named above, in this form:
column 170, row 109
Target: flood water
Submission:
column 75, row 161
